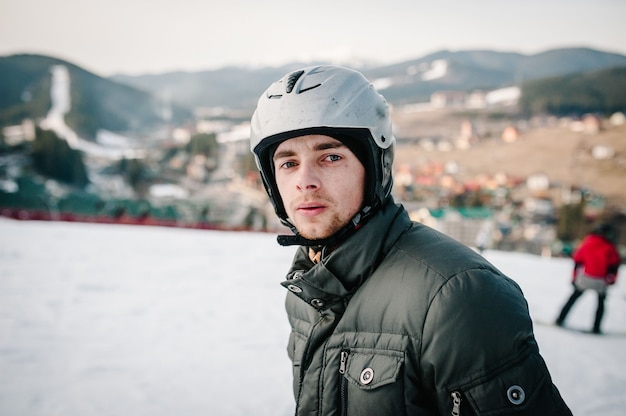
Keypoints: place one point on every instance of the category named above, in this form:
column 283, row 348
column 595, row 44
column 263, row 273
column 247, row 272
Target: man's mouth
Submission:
column 310, row 208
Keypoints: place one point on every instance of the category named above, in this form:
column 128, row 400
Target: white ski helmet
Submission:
column 333, row 101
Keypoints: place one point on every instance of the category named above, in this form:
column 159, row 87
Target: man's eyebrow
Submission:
column 317, row 147
column 328, row 145
column 283, row 153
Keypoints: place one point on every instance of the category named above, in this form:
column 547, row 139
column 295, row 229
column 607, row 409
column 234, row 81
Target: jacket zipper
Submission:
column 343, row 382
column 456, row 403
column 305, row 361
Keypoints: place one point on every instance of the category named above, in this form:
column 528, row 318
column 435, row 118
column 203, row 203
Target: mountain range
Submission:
column 96, row 102
column 141, row 103
column 404, row 82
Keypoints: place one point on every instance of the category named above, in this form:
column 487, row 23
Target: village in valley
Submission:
column 466, row 163
column 497, row 182
column 523, row 185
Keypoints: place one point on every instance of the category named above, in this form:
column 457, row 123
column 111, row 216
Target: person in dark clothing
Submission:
column 596, row 262
column 388, row 316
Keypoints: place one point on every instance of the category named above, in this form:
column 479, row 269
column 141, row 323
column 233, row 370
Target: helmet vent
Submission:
column 291, row 81
column 309, row 88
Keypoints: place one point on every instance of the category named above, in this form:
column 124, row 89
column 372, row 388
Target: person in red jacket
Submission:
column 596, row 261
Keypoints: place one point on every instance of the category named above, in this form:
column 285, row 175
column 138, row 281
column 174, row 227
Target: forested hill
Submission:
column 96, row 102
column 590, row 92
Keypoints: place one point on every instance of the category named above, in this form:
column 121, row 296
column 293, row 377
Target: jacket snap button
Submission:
column 367, row 376
column 318, row 303
column 516, row 395
column 294, row 288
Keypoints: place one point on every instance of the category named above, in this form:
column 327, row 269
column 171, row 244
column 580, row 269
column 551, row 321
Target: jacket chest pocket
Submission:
column 371, row 382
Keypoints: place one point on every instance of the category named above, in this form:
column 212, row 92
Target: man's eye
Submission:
column 288, row 165
column 333, row 158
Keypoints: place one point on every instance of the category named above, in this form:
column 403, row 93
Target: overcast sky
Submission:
column 152, row 36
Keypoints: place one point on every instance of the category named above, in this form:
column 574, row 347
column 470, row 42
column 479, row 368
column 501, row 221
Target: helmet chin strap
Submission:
column 351, row 227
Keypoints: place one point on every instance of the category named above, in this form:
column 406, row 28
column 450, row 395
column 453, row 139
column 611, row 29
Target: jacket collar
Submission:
column 345, row 268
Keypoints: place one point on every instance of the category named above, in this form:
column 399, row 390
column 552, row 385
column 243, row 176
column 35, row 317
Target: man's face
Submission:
column 321, row 183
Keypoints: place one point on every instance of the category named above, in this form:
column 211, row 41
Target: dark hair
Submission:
column 607, row 231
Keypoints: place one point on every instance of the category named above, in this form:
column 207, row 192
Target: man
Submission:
column 388, row 317
column 596, row 262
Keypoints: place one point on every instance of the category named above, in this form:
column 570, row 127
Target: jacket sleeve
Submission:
column 478, row 346
column 579, row 253
column 612, row 267
column 575, row 271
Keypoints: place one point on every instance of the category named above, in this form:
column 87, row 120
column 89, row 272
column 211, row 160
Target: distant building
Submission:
column 14, row 135
column 592, row 124
column 466, row 136
column 503, row 97
column 588, row 124
column 617, row 119
column 443, row 99
column 477, row 99
column 510, row 134
column 603, row 152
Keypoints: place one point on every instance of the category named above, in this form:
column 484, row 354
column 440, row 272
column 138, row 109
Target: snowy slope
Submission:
column 114, row 320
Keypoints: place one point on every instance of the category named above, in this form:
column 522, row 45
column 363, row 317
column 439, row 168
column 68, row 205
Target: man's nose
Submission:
column 308, row 177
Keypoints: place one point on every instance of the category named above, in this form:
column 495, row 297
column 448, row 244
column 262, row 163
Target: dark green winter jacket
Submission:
column 402, row 320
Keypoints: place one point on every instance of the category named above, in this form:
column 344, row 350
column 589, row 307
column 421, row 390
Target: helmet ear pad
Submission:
column 268, row 176
column 359, row 144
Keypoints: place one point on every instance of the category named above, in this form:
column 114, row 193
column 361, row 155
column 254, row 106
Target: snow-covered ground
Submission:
column 108, row 320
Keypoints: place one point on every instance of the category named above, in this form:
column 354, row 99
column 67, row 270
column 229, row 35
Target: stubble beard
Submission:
column 314, row 231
